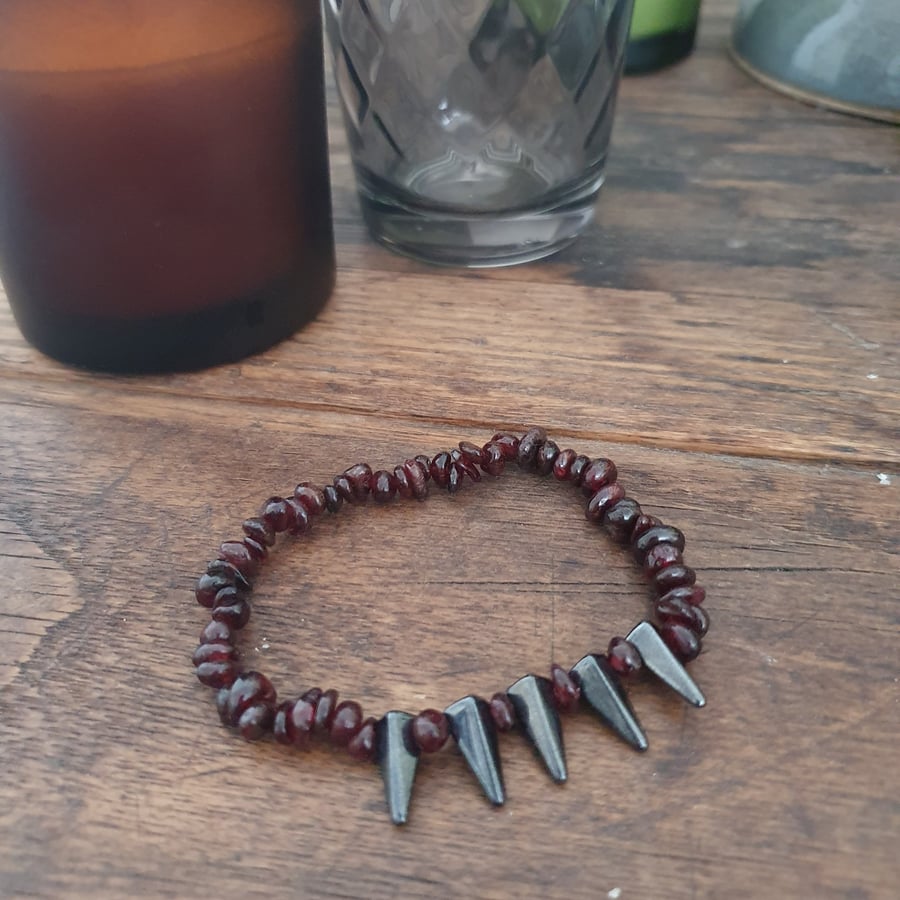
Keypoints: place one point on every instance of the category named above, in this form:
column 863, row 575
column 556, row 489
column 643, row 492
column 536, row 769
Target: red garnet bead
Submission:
column 681, row 641
column 236, row 553
column 661, row 557
column 219, row 674
column 529, row 445
column 311, row 497
column 620, row 518
column 277, row 514
column 641, row 524
column 250, row 705
column 508, row 444
column 598, row 474
column 384, row 486
column 546, row 457
column 673, row 577
column 494, row 461
column 430, row 730
column 345, row 723
column 325, row 709
column 360, row 478
column 210, row 585
column 658, row 534
column 684, row 613
column 333, row 499
column 232, row 608
column 562, row 464
column 440, row 469
column 294, row 722
column 402, row 481
column 623, row 656
column 471, row 453
column 502, row 712
column 216, row 632
column 218, row 651
column 257, row 550
column 417, row 476
column 260, row 530
column 362, row 746
column 566, row 692
column 300, row 519
column 578, row 468
column 605, row 497
column 690, row 593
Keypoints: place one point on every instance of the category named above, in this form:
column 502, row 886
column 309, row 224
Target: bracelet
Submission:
column 246, row 700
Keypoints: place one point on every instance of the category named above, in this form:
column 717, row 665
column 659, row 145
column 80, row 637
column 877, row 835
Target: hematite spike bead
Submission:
column 473, row 730
column 660, row 660
column 532, row 699
column 602, row 691
column 398, row 759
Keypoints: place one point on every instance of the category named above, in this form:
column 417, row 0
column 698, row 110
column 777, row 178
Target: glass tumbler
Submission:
column 478, row 129
column 164, row 195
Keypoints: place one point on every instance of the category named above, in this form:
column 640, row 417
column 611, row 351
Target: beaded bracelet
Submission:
column 246, row 700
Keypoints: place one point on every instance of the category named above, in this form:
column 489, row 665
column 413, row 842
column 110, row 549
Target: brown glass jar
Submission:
column 164, row 192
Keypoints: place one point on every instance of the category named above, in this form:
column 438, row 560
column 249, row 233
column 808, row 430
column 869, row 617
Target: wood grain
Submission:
column 727, row 332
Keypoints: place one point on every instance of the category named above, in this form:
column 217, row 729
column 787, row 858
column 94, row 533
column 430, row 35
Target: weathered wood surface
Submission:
column 728, row 332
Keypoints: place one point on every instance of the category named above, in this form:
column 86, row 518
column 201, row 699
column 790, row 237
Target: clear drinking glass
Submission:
column 478, row 128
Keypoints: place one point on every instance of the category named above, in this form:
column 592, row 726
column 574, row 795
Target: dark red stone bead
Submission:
column 217, row 674
column 529, row 445
column 294, row 723
column 623, row 656
column 430, row 730
column 579, row 465
column 598, row 474
column 362, row 747
column 681, row 641
column 502, row 712
column 221, row 651
column 240, row 557
column 417, row 475
column 605, row 498
column 546, row 457
column 249, row 689
column 344, row 488
column 232, row 608
column 346, row 722
column 222, row 706
column 210, row 585
column 216, row 632
column 255, row 722
column 313, row 695
column 402, row 481
column 658, row 534
column 360, row 478
column 384, row 486
column 455, row 478
column 619, row 519
column 465, row 465
column 425, row 462
column 440, row 469
column 218, row 567
column 277, row 514
column 471, row 453
column 566, row 692
column 260, row 530
column 562, row 464
column 690, row 593
column 673, row 577
column 684, row 613
column 494, row 460
column 312, row 498
column 508, row 444
column 325, row 709
column 641, row 524
column 333, row 499
column 660, row 557
column 257, row 550
column 301, row 521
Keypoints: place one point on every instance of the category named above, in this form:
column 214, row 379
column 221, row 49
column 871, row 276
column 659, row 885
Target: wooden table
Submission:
column 728, row 332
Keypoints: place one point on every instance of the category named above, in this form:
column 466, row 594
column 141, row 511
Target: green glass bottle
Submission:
column 662, row 32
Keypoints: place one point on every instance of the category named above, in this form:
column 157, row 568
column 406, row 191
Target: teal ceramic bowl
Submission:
column 843, row 54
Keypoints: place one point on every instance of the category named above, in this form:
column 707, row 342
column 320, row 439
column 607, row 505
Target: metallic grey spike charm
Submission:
column 660, row 660
column 532, row 698
column 398, row 758
column 602, row 691
column 473, row 729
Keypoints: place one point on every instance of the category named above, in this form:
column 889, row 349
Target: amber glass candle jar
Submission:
column 164, row 194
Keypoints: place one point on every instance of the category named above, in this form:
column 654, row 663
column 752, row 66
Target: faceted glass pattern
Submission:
column 457, row 109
